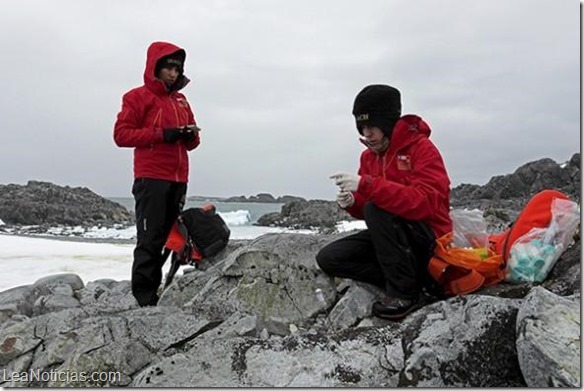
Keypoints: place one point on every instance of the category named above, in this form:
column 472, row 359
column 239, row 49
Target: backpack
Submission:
column 461, row 271
column 537, row 213
column 198, row 233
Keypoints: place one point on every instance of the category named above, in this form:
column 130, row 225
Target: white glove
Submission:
column 347, row 182
column 345, row 199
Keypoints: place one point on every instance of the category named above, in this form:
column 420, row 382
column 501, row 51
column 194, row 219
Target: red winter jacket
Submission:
column 147, row 110
column 407, row 180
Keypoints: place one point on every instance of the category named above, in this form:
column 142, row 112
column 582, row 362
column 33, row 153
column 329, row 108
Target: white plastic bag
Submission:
column 534, row 254
column 469, row 228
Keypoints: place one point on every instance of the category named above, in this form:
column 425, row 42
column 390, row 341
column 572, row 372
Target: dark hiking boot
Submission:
column 395, row 309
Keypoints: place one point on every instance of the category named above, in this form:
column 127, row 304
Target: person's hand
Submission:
column 345, row 199
column 347, row 182
column 172, row 135
column 189, row 133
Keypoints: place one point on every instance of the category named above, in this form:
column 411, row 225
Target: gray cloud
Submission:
column 274, row 81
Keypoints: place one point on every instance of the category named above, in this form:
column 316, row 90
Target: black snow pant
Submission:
column 392, row 253
column 158, row 204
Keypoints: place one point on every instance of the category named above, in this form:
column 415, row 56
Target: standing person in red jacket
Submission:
column 157, row 121
column 402, row 191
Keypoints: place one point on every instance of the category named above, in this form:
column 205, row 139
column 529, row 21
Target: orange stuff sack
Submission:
column 460, row 271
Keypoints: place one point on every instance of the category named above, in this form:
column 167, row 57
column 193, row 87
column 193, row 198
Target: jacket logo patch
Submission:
column 404, row 163
column 182, row 102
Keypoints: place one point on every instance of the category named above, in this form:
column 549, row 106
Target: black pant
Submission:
column 158, row 204
column 393, row 253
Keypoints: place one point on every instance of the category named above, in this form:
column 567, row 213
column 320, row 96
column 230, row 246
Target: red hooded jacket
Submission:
column 408, row 180
column 146, row 111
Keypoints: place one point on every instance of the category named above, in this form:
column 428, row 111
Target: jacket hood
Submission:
column 408, row 129
column 155, row 52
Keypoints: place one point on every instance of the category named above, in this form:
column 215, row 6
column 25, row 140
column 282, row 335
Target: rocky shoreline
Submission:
column 264, row 198
column 45, row 205
column 250, row 318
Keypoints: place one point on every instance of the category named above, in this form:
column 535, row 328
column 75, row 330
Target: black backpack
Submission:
column 204, row 232
column 207, row 230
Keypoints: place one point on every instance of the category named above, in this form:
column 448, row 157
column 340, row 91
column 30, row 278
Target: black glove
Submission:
column 190, row 132
column 188, row 135
column 172, row 135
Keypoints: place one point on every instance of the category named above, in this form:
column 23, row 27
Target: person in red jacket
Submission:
column 402, row 191
column 157, row 121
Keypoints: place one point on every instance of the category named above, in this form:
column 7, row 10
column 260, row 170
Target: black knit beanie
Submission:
column 377, row 105
column 174, row 59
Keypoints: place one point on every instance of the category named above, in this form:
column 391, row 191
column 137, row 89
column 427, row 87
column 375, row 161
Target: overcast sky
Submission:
column 273, row 84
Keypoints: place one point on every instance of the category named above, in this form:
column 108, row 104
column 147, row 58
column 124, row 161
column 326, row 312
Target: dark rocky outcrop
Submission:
column 43, row 203
column 250, row 318
column 264, row 198
column 319, row 214
column 523, row 183
column 504, row 196
column 289, row 198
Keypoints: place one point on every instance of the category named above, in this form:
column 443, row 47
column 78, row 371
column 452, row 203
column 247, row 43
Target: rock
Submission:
column 504, row 196
column 250, row 317
column 55, row 293
column 76, row 341
column 527, row 180
column 17, row 340
column 48, row 294
column 43, row 203
column 273, row 278
column 107, row 297
column 354, row 305
column 462, row 342
column 241, row 198
column 313, row 214
column 370, row 358
column 15, row 301
column 288, row 198
column 54, row 302
column 548, row 339
column 264, row 198
column 49, row 284
column 565, row 277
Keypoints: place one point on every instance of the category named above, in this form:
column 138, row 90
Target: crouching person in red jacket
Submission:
column 157, row 121
column 402, row 191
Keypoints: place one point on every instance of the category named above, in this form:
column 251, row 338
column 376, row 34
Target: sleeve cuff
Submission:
column 365, row 185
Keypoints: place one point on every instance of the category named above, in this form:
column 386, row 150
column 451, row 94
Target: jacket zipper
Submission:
column 382, row 163
column 177, row 144
column 157, row 118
